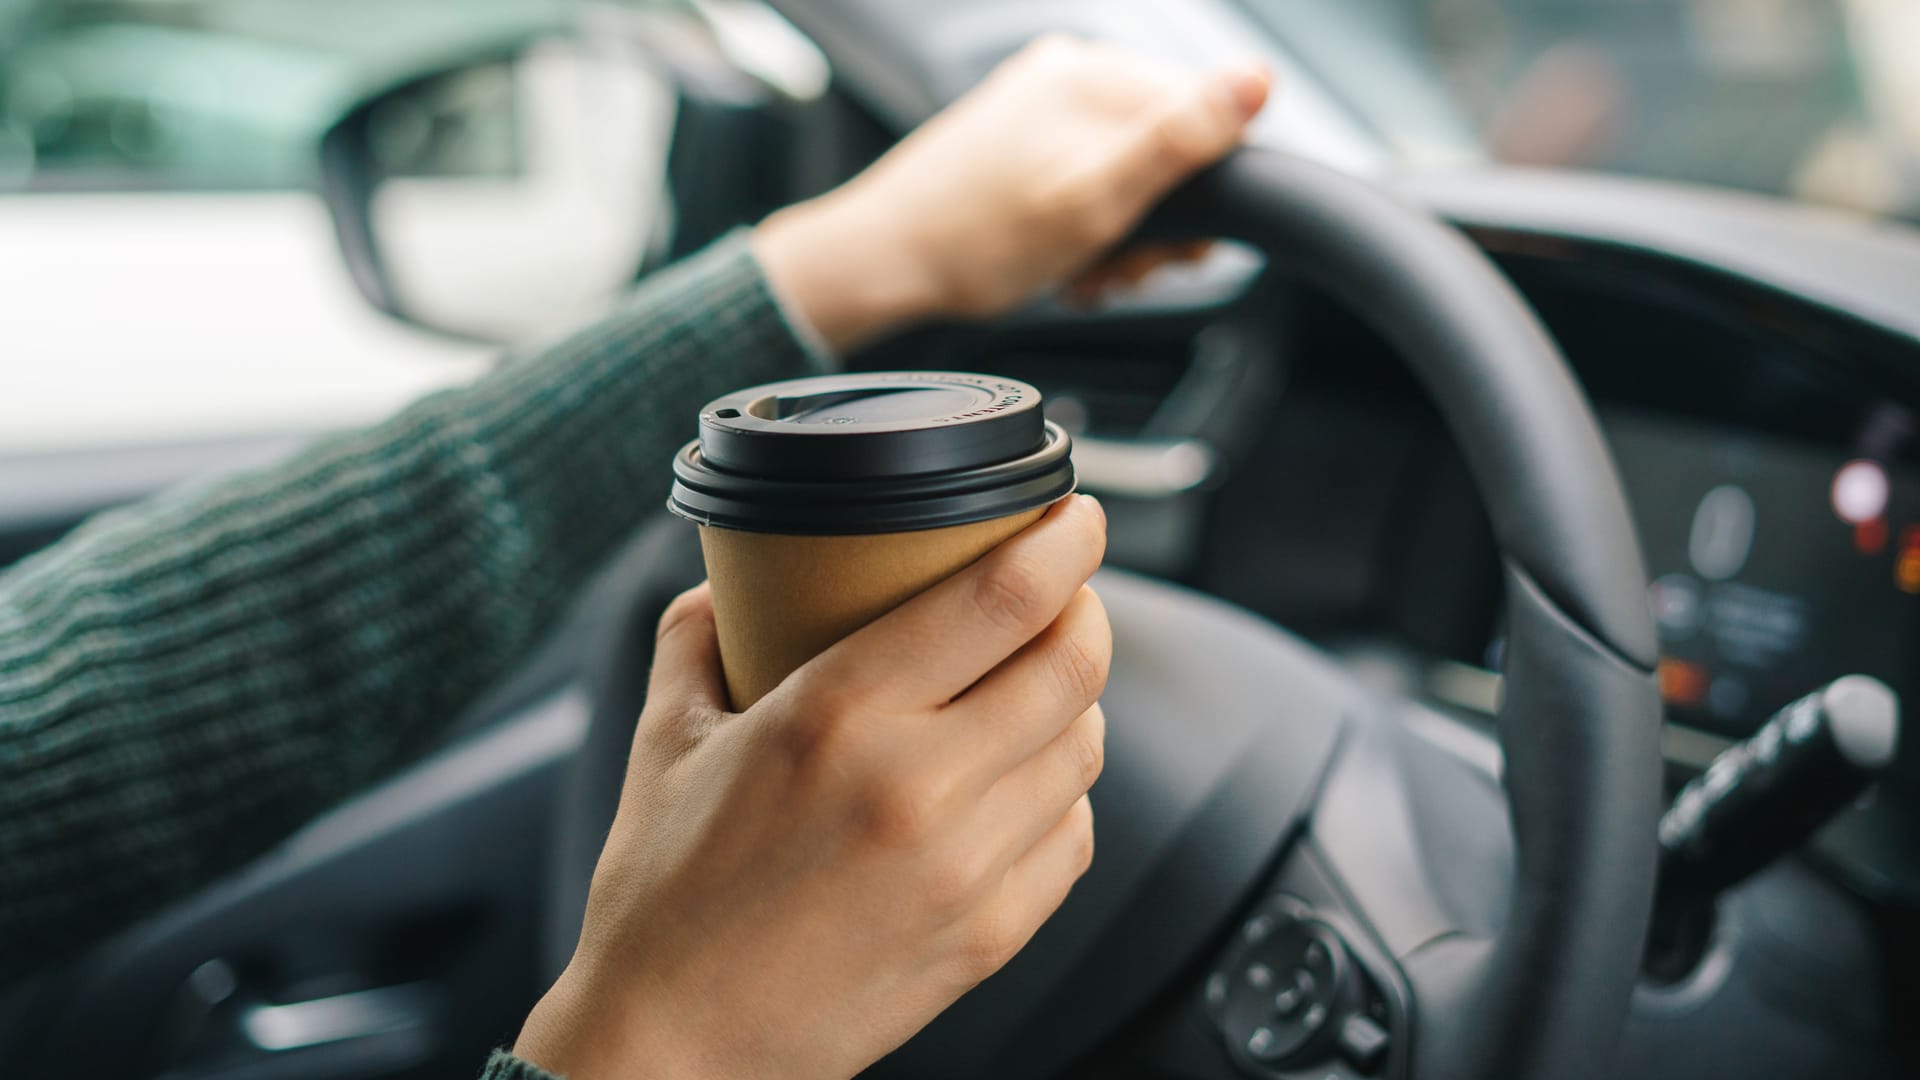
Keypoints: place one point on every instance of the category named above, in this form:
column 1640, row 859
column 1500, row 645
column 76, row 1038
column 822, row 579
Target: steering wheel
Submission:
column 1290, row 881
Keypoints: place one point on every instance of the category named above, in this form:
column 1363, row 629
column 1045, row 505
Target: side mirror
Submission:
column 509, row 195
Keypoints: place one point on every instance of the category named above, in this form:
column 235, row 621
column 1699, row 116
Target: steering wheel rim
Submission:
column 1579, row 722
column 1547, row 995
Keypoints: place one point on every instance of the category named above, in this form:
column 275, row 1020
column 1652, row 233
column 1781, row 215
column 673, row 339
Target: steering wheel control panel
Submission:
column 1291, row 999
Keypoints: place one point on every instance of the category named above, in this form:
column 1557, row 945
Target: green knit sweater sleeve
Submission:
column 185, row 681
column 504, row 1066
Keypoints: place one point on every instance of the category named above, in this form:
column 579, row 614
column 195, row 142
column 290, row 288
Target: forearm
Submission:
column 185, row 681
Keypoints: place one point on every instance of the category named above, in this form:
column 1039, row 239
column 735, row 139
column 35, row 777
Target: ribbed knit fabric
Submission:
column 504, row 1066
column 185, row 681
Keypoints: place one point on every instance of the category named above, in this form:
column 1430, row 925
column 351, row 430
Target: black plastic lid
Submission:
column 853, row 454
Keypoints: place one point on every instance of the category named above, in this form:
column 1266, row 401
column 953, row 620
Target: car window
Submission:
column 170, row 274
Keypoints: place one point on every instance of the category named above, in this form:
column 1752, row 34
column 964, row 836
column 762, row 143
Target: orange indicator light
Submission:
column 1682, row 683
column 1906, row 573
column 1906, row 569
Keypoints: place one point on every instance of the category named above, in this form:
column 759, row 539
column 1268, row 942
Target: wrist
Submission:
column 851, row 277
column 581, row 1032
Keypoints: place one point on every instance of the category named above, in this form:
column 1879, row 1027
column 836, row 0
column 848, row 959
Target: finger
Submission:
column 1130, row 268
column 1195, row 127
column 1090, row 289
column 927, row 650
column 1038, row 881
column 1083, row 294
column 686, row 676
column 1144, row 258
column 1192, row 251
column 1025, row 803
column 1021, row 707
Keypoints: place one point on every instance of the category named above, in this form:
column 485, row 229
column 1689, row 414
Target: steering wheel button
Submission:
column 1314, row 1017
column 1304, row 981
column 1257, row 928
column 1363, row 1042
column 1288, row 1001
column 1216, row 990
column 1259, row 976
column 1262, row 1044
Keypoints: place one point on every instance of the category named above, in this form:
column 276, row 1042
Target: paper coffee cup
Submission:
column 824, row 503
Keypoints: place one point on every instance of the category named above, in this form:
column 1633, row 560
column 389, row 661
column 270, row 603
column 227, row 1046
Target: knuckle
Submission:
column 686, row 609
column 1053, row 44
column 1082, row 837
column 898, row 816
column 1093, row 613
column 821, row 695
column 1172, row 136
column 1080, row 659
column 1086, row 746
column 990, row 941
column 813, row 721
column 1010, row 591
column 802, row 739
column 952, row 885
column 1185, row 131
column 1081, row 207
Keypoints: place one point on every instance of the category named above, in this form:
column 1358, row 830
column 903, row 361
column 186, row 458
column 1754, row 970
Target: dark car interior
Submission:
column 1437, row 672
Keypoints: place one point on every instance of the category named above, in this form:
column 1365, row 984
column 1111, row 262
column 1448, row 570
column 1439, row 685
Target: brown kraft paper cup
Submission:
column 807, row 494
column 779, row 601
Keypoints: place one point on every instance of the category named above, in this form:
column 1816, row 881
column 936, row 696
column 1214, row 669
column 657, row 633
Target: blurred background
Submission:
column 167, row 272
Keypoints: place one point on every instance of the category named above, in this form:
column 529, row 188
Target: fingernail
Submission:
column 1248, row 83
column 1094, row 505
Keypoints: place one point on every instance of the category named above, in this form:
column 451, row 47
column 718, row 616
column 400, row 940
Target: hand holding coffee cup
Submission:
column 795, row 889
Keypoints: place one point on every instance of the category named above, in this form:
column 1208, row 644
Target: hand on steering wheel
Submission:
column 1021, row 186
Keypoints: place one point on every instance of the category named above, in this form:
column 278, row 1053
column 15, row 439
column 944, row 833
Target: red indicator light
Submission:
column 1682, row 683
column 1870, row 537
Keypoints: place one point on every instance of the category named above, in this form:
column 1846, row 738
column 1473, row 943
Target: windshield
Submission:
column 1813, row 99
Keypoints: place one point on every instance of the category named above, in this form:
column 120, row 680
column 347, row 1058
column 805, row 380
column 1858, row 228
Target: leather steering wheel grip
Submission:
column 1579, row 724
column 1524, row 425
